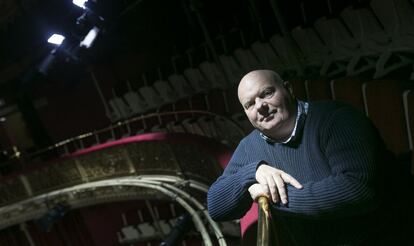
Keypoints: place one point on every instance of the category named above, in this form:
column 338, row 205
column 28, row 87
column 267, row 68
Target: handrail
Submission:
column 23, row 157
column 266, row 234
column 183, row 198
column 128, row 121
column 263, row 222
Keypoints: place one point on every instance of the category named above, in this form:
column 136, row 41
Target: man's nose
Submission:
column 261, row 105
column 258, row 102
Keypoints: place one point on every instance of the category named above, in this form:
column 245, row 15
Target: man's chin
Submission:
column 269, row 128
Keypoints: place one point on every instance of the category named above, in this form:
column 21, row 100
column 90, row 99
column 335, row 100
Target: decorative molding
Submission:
column 104, row 175
column 116, row 189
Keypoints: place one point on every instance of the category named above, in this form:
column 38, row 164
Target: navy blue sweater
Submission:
column 337, row 159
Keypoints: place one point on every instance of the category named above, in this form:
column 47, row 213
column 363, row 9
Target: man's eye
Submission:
column 268, row 93
column 248, row 105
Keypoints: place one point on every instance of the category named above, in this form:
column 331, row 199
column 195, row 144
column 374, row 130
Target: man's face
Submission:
column 268, row 104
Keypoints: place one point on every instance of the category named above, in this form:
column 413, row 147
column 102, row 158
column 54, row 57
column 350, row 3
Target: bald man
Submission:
column 320, row 163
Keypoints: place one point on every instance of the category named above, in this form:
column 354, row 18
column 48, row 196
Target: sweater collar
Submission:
column 299, row 124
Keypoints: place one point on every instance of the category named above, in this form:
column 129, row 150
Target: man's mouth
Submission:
column 268, row 117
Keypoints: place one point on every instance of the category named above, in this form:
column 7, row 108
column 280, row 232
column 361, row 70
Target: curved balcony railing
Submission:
column 197, row 122
column 122, row 128
column 93, row 168
column 154, row 166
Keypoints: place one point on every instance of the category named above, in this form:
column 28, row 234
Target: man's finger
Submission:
column 290, row 180
column 273, row 189
column 281, row 188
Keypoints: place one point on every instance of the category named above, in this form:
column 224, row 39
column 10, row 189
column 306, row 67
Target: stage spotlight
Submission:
column 56, row 39
column 89, row 38
column 66, row 51
column 70, row 49
column 80, row 3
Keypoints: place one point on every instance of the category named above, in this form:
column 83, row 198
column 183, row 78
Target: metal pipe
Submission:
column 179, row 197
column 263, row 224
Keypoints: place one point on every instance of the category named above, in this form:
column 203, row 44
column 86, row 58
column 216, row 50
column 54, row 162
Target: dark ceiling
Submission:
column 153, row 28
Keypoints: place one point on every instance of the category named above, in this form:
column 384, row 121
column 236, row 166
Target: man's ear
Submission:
column 289, row 88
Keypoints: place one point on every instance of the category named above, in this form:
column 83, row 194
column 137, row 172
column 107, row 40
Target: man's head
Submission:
column 269, row 103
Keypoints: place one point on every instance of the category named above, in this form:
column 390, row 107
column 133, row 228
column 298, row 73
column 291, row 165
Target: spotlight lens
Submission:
column 56, row 39
column 80, row 3
column 89, row 38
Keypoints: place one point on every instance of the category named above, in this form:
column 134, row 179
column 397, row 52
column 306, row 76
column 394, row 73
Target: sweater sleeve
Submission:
column 349, row 142
column 228, row 196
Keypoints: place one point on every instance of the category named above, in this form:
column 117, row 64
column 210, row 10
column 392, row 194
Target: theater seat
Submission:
column 180, row 86
column 267, row 56
column 408, row 99
column 214, row 74
column 384, row 106
column 247, row 59
column 349, row 90
column 151, row 97
column 299, row 89
column 119, row 109
column 232, row 68
column 165, row 91
column 318, row 89
column 197, row 80
column 397, row 17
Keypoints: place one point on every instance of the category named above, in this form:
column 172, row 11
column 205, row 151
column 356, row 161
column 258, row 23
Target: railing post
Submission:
column 266, row 232
column 263, row 222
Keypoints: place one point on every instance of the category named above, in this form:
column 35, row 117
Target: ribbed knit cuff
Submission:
column 248, row 174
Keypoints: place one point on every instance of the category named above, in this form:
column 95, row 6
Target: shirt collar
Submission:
column 299, row 123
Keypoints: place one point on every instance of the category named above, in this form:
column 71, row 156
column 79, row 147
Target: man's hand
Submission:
column 257, row 190
column 272, row 184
